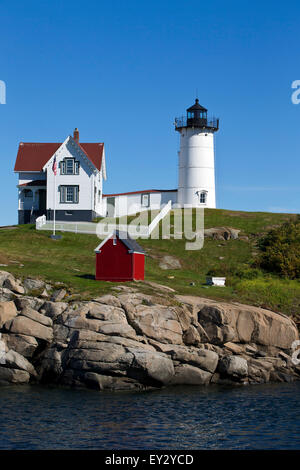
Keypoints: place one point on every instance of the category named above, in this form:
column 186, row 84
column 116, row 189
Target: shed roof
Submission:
column 129, row 242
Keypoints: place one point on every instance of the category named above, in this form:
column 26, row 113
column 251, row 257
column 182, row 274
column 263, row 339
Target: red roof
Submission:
column 33, row 156
column 143, row 192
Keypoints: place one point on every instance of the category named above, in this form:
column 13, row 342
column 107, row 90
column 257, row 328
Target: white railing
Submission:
column 74, row 227
column 40, row 221
column 103, row 229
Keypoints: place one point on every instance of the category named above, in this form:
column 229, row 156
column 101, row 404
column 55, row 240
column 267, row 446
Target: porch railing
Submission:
column 40, row 221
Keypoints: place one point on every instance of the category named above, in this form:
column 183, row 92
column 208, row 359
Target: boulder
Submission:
column 239, row 323
column 85, row 335
column 53, row 309
column 157, row 322
column 109, row 300
column 33, row 284
column 7, row 312
column 106, row 312
column 151, row 367
column 258, row 374
column 6, row 294
column 88, row 337
column 185, row 317
column 77, row 322
column 104, row 382
column 186, row 374
column 26, row 301
column 233, row 366
column 14, row 285
column 45, row 294
column 4, row 275
column 169, row 262
column 98, row 344
column 202, row 358
column 192, row 337
column 234, row 348
column 38, row 317
column 222, row 233
column 117, row 329
column 107, row 328
column 58, row 295
column 250, row 349
column 61, row 333
column 3, row 349
column 25, row 345
column 107, row 358
column 25, row 326
column 17, row 361
column 51, row 367
column 14, row 376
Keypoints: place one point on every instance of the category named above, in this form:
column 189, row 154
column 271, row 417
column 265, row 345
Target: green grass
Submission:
column 71, row 261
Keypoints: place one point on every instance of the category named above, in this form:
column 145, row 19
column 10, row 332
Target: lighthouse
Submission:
column 196, row 175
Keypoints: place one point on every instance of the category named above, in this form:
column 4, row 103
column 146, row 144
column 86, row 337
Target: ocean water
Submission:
column 254, row 417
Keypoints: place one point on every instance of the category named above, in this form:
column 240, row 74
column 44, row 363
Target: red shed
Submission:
column 119, row 258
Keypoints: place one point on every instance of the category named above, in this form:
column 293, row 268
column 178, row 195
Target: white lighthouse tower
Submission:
column 196, row 185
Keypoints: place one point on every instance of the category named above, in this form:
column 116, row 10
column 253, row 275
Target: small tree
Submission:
column 280, row 250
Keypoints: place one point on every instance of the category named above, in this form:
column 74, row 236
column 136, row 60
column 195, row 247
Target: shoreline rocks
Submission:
column 129, row 341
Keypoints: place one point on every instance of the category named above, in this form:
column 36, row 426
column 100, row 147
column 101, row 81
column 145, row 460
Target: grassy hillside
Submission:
column 71, row 261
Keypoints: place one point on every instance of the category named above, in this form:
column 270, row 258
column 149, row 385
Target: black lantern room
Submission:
column 196, row 115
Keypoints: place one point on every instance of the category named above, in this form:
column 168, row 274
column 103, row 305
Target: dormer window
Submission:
column 69, row 166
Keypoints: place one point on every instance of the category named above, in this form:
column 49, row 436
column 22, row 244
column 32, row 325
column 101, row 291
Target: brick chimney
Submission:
column 76, row 135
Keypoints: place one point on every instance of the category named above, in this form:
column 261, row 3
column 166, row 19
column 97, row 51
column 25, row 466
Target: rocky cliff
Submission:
column 133, row 341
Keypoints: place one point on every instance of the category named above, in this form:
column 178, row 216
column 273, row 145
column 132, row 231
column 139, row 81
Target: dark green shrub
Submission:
column 280, row 250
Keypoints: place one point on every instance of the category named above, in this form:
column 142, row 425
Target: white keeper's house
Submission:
column 77, row 189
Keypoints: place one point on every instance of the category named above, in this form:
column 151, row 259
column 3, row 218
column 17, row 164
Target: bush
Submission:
column 280, row 250
column 273, row 294
column 233, row 272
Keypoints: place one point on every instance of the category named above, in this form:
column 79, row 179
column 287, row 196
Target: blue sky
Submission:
column 121, row 71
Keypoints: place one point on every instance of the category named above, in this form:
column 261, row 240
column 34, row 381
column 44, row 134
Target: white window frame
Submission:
column 203, row 194
column 64, row 196
column 147, row 197
column 64, row 167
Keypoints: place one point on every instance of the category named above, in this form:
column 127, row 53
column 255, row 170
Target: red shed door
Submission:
column 139, row 266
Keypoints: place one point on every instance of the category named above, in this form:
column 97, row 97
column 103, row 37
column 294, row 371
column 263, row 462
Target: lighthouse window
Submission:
column 145, row 200
column 203, row 197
